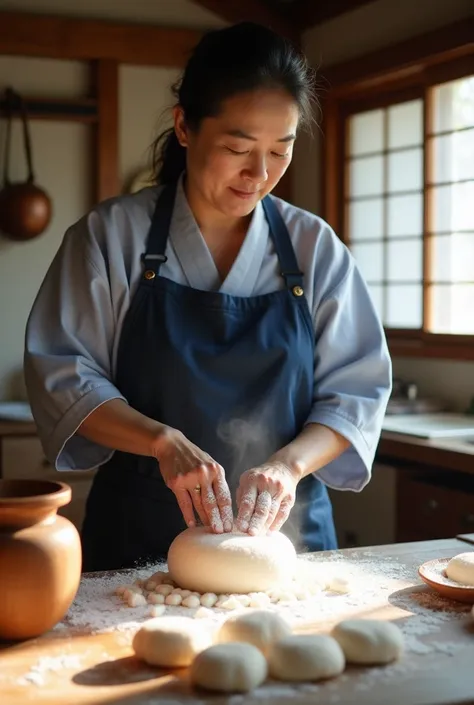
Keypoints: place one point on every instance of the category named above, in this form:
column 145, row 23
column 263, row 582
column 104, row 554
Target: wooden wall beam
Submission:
column 253, row 11
column 67, row 38
column 312, row 12
column 438, row 46
column 106, row 148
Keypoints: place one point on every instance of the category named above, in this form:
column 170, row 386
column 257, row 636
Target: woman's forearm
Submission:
column 312, row 449
column 116, row 425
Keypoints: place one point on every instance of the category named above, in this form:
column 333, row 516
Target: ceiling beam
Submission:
column 67, row 38
column 253, row 11
column 313, row 12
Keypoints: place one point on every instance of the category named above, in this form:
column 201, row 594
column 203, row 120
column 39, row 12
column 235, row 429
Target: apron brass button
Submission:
column 298, row 291
column 149, row 274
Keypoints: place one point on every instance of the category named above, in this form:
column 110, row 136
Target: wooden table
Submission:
column 109, row 673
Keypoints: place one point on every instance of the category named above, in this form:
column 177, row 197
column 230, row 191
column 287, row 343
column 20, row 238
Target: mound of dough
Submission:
column 260, row 628
column 229, row 668
column 369, row 641
column 202, row 561
column 171, row 641
column 461, row 568
column 306, row 657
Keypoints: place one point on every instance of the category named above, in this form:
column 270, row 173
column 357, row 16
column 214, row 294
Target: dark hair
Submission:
column 237, row 59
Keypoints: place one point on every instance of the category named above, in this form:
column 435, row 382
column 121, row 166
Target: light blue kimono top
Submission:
column 75, row 324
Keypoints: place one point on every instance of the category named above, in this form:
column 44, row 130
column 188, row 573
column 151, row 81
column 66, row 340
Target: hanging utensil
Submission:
column 25, row 209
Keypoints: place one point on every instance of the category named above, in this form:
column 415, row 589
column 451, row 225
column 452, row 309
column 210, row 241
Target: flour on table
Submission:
column 36, row 674
column 372, row 579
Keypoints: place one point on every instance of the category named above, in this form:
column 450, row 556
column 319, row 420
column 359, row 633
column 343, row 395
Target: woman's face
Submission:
column 238, row 157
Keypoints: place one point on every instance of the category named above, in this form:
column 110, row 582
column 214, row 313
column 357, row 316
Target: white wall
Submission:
column 63, row 167
column 61, row 159
column 368, row 28
column 145, row 99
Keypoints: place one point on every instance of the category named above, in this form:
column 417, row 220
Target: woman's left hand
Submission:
column 265, row 497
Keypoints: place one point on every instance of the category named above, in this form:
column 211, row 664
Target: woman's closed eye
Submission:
column 275, row 154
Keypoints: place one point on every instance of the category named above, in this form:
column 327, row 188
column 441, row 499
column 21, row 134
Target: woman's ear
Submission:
column 180, row 125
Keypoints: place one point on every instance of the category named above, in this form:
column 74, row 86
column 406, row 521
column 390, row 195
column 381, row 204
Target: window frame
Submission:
column 398, row 73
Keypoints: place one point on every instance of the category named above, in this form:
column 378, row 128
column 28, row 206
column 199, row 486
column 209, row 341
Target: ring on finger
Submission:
column 197, row 489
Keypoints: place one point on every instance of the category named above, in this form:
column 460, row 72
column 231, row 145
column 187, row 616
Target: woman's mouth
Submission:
column 243, row 194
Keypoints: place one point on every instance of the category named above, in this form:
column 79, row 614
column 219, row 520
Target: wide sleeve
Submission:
column 68, row 350
column 353, row 376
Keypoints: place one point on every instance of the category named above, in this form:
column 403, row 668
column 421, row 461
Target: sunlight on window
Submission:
column 412, row 230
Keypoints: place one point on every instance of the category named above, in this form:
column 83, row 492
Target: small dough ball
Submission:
column 259, row 600
column 151, row 585
column 157, row 610
column 461, row 568
column 209, row 599
column 136, row 600
column 229, row 668
column 369, row 641
column 259, row 627
column 155, row 598
column 244, row 600
column 158, row 576
column 173, row 599
column 231, row 603
column 203, row 613
column 191, row 601
column 339, row 584
column 286, row 597
column 306, row 657
column 164, row 589
column 171, row 641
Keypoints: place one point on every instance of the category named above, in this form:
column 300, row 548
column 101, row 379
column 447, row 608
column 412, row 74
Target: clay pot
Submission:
column 25, row 211
column 40, row 557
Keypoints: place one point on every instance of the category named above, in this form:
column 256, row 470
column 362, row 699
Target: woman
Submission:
column 204, row 342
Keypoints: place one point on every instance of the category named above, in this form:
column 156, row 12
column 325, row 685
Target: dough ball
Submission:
column 306, row 657
column 155, row 598
column 259, row 627
column 136, row 600
column 232, row 562
column 259, row 600
column 173, row 600
column 369, row 641
column 231, row 603
column 339, row 584
column 461, row 568
column 191, row 601
column 208, row 600
column 229, row 668
column 170, row 641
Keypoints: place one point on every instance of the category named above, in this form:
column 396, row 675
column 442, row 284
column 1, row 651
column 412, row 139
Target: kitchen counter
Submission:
column 65, row 667
column 17, row 428
column 448, row 453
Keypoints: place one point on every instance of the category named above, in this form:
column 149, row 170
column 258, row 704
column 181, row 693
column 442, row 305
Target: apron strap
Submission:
column 283, row 246
column 155, row 256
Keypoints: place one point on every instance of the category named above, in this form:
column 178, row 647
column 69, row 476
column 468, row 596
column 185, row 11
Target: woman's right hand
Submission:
column 196, row 479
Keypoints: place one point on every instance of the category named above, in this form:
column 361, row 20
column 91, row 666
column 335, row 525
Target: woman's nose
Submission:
column 256, row 169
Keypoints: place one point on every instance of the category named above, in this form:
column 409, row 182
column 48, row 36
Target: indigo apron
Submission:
column 234, row 374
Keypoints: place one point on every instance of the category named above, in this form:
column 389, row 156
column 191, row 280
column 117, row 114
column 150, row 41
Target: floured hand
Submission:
column 265, row 497
column 197, row 480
